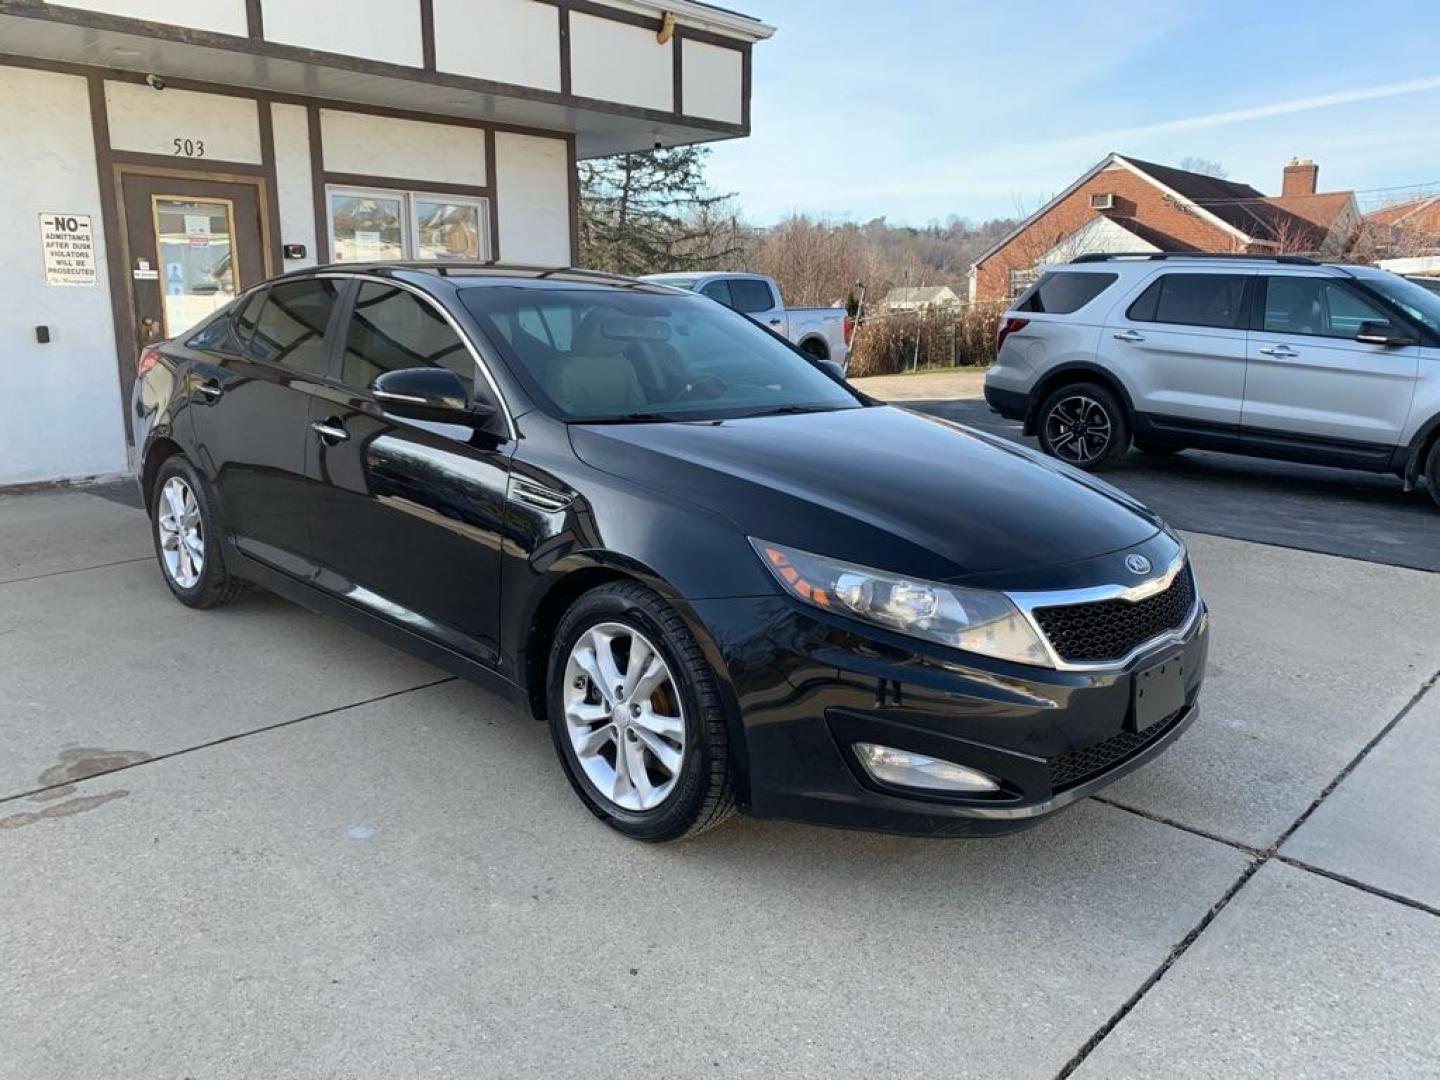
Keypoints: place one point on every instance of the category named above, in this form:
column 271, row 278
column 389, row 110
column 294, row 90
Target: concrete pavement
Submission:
column 263, row 845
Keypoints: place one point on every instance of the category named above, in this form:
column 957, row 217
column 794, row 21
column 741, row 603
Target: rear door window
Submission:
column 751, row 295
column 290, row 328
column 1214, row 300
column 718, row 291
column 1063, row 291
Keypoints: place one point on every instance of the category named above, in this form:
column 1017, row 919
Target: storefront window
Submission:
column 374, row 225
column 198, row 273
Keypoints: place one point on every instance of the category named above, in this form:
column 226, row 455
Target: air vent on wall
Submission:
column 1102, row 202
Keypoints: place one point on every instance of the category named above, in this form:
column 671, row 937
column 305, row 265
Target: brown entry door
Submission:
column 193, row 244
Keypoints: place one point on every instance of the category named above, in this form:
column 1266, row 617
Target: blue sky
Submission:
column 919, row 109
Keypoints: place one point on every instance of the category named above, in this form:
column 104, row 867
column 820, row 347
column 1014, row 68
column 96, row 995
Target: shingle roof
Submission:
column 1395, row 213
column 1230, row 201
column 1152, row 235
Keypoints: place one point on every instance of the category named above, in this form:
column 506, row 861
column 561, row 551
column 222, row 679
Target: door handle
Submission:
column 330, row 431
column 1129, row 335
column 210, row 390
column 1283, row 351
column 774, row 322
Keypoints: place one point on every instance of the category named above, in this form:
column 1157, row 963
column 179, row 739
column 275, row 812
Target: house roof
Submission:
column 1230, row 201
column 919, row 294
column 1160, row 240
column 1396, row 213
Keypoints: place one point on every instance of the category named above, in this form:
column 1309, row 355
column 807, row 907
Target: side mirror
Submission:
column 429, row 393
column 1382, row 333
column 831, row 368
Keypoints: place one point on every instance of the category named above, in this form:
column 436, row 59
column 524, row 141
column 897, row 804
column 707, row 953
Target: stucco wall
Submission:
column 532, row 181
column 60, row 411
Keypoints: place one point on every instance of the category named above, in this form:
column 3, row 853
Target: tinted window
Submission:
column 751, row 295
column 290, row 329
column 1416, row 299
column 392, row 328
column 1064, row 291
column 1301, row 305
column 246, row 312
column 1193, row 300
column 614, row 354
column 718, row 290
column 215, row 336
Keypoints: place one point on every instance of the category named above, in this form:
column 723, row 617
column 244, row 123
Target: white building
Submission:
column 158, row 155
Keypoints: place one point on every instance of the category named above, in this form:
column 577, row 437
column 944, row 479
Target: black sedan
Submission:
column 723, row 577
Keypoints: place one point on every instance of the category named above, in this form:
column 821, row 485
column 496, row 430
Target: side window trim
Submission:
column 466, row 339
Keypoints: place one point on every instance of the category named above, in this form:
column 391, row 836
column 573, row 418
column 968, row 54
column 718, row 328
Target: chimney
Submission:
column 1301, row 176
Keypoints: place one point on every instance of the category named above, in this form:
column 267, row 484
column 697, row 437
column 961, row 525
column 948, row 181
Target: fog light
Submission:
column 908, row 769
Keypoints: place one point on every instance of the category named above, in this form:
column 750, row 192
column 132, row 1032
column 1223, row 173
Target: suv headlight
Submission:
column 975, row 620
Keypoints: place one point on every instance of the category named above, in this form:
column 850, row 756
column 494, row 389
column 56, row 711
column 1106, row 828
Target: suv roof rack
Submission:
column 1107, row 256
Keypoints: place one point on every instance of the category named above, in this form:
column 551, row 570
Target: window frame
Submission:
column 1244, row 318
column 409, row 217
column 338, row 309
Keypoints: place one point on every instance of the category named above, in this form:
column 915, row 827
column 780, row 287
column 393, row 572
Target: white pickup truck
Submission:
column 823, row 332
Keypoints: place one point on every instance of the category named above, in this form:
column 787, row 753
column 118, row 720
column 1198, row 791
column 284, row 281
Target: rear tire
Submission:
column 815, row 350
column 1084, row 425
column 651, row 761
column 1432, row 472
column 187, row 542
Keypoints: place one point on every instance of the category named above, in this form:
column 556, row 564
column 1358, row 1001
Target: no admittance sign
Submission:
column 69, row 249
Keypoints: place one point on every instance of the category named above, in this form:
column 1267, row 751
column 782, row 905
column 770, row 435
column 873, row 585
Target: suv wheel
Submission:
column 1432, row 472
column 636, row 718
column 1085, row 426
column 186, row 542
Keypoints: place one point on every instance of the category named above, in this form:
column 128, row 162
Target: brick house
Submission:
column 1125, row 204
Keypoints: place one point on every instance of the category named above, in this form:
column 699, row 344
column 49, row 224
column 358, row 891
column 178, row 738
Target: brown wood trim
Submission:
column 677, row 63
column 279, row 51
column 427, row 34
column 270, row 209
column 186, row 166
column 401, row 183
column 254, row 20
column 696, row 34
column 567, row 79
column 493, row 182
column 745, row 91
column 572, row 162
column 317, row 189
column 117, row 263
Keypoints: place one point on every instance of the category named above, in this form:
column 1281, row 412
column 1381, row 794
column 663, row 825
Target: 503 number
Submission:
column 189, row 148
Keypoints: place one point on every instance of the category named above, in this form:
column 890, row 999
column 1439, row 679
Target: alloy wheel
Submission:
column 182, row 539
column 623, row 716
column 1078, row 429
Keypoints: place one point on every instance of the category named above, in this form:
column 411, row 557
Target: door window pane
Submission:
column 1314, row 306
column 291, row 326
column 448, row 229
column 751, row 295
column 1200, row 300
column 197, row 270
column 366, row 228
column 719, row 290
column 391, row 329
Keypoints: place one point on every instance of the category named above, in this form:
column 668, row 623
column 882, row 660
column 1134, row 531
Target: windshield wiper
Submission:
column 791, row 410
column 629, row 418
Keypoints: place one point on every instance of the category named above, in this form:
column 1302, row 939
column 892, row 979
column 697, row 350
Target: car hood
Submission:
column 878, row 486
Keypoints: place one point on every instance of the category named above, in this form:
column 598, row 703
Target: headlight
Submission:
column 975, row 620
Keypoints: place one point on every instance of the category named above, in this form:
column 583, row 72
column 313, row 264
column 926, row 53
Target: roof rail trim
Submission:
column 1161, row 256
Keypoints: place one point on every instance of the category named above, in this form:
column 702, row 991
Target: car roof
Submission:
column 465, row 274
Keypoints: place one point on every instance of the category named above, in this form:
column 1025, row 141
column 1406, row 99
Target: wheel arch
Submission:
column 160, row 450
column 1420, row 447
column 1067, row 375
column 816, row 346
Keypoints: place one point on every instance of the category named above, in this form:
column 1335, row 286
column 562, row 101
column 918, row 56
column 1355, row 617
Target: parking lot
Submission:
column 251, row 842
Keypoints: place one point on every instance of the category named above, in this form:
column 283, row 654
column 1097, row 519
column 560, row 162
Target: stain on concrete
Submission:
column 60, row 810
column 79, row 763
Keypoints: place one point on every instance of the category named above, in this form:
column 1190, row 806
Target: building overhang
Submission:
column 32, row 32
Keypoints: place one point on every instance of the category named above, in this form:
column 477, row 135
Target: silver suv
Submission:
column 1273, row 356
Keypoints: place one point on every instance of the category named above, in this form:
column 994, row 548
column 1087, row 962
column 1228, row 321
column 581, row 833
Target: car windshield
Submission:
column 603, row 354
column 1418, row 302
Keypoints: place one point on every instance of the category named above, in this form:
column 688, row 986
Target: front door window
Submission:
column 193, row 239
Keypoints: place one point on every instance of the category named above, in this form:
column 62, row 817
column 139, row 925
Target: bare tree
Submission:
column 1204, row 166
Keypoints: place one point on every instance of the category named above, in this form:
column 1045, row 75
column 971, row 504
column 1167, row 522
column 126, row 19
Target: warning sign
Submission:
column 69, row 249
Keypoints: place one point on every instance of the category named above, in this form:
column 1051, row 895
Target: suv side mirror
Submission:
column 429, row 393
column 1382, row 333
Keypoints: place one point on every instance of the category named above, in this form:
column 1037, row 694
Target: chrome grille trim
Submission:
column 537, row 495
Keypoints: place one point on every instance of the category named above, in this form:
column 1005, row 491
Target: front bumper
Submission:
column 809, row 686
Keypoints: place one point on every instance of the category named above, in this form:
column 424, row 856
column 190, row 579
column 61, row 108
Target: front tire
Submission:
column 1085, row 426
column 1432, row 472
column 636, row 716
column 187, row 543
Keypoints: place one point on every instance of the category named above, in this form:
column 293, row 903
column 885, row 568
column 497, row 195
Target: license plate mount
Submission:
column 1159, row 693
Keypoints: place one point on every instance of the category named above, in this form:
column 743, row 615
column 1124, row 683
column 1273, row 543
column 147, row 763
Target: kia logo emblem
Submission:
column 1137, row 564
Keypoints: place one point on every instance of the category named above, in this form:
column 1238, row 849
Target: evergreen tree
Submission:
column 647, row 213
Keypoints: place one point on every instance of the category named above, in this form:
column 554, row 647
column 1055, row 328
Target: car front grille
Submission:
column 1111, row 629
column 1077, row 766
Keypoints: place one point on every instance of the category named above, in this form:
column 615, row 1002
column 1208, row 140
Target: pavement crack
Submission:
column 75, row 570
column 1161, row 819
column 123, row 765
column 1355, row 883
column 1176, row 952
